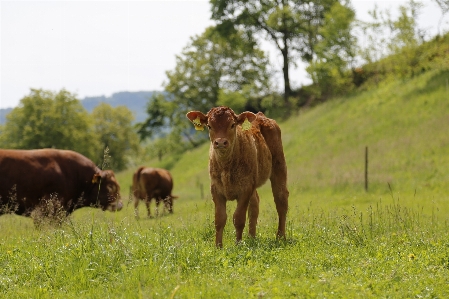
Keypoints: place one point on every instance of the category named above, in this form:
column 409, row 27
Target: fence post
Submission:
column 366, row 168
column 447, row 87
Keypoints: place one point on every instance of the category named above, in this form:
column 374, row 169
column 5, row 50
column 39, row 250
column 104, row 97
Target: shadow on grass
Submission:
column 437, row 81
column 265, row 242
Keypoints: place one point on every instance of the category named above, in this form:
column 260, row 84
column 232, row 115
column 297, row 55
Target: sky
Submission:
column 94, row 48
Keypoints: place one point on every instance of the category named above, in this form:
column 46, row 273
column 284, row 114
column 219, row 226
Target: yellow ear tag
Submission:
column 246, row 125
column 197, row 124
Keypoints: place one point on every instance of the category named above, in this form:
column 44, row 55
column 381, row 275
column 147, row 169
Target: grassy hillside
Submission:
column 403, row 124
column 342, row 242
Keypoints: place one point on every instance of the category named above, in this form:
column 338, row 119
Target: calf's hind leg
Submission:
column 253, row 213
column 272, row 134
column 280, row 194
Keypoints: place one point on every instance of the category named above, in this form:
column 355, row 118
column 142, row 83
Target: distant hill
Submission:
column 3, row 113
column 135, row 101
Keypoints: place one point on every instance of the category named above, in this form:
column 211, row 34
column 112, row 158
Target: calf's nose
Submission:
column 221, row 143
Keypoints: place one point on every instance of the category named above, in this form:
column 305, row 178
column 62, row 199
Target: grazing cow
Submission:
column 245, row 151
column 29, row 178
column 149, row 183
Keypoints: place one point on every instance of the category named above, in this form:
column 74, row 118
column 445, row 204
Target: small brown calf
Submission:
column 149, row 183
column 245, row 151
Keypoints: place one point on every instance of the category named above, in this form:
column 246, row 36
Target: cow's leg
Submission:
column 168, row 204
column 280, row 193
column 220, row 218
column 148, row 204
column 253, row 213
column 240, row 216
column 136, row 205
column 158, row 201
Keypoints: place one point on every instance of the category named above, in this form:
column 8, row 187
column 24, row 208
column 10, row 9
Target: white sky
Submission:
column 95, row 48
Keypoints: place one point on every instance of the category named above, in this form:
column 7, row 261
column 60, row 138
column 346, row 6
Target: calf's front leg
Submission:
column 240, row 216
column 253, row 213
column 220, row 219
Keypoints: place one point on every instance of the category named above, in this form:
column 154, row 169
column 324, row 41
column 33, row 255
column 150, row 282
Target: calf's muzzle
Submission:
column 221, row 143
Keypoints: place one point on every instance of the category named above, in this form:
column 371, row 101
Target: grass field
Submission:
column 342, row 242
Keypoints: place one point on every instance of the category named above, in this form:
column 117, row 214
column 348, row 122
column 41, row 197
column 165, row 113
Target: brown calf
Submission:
column 245, row 151
column 149, row 183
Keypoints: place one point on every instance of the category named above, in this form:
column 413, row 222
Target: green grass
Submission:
column 342, row 242
column 385, row 251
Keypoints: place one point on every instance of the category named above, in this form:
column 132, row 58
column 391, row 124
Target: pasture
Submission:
column 342, row 242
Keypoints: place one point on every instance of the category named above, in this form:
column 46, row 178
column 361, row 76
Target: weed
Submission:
column 9, row 205
column 49, row 212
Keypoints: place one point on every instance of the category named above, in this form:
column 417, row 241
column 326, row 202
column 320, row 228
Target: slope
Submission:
column 403, row 123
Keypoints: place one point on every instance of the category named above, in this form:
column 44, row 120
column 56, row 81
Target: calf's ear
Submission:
column 245, row 119
column 198, row 119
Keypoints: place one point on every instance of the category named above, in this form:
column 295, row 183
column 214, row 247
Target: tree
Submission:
column 444, row 6
column 113, row 129
column 293, row 26
column 406, row 38
column 158, row 109
column 208, row 68
column 45, row 119
column 399, row 38
column 334, row 52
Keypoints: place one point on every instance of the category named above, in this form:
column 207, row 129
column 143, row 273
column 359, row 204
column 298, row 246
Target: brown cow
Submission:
column 28, row 178
column 149, row 183
column 245, row 151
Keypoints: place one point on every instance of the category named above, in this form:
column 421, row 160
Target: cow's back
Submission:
column 272, row 136
column 29, row 175
column 138, row 188
column 156, row 182
column 263, row 152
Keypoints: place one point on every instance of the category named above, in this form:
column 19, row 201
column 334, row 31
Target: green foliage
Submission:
column 47, row 119
column 394, row 47
column 431, row 55
column 211, row 63
column 406, row 39
column 235, row 99
column 292, row 26
column 334, row 53
column 158, row 114
column 113, row 129
column 211, row 70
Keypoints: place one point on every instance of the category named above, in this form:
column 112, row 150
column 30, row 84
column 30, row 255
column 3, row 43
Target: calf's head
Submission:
column 106, row 191
column 222, row 123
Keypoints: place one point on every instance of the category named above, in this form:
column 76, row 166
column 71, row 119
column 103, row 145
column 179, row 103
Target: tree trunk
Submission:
column 285, row 69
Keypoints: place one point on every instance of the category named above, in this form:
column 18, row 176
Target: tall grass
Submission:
column 386, row 250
